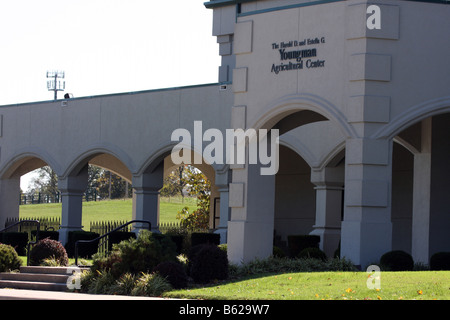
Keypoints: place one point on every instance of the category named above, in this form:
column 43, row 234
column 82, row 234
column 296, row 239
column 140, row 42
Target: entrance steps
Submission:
column 36, row 278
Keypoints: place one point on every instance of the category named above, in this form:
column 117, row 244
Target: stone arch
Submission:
column 291, row 104
column 25, row 161
column 257, row 202
column 157, row 164
column 412, row 116
column 108, row 157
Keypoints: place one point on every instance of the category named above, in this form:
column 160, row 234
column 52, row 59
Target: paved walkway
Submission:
column 19, row 294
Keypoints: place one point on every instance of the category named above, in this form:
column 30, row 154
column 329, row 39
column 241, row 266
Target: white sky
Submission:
column 104, row 46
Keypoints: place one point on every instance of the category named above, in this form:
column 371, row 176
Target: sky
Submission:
column 103, row 46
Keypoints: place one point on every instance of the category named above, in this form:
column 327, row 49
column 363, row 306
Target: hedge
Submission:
column 17, row 240
column 297, row 243
column 85, row 250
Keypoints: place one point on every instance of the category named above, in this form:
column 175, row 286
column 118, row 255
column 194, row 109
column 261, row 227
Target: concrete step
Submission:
column 45, row 270
column 37, row 278
column 33, row 285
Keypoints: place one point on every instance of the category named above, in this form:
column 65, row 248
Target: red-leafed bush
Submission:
column 48, row 249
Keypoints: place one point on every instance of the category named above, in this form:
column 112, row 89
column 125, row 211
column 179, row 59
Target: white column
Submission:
column 250, row 230
column 222, row 180
column 329, row 187
column 146, row 197
column 9, row 199
column 367, row 229
column 72, row 189
column 421, row 197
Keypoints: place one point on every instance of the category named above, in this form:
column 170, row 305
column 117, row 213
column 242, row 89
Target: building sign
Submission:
column 298, row 55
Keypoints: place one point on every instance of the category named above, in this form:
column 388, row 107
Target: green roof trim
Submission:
column 222, row 3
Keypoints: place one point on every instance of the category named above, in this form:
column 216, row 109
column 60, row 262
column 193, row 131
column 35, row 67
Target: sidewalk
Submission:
column 19, row 294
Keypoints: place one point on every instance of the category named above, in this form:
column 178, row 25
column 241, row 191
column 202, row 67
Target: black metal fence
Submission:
column 40, row 197
column 46, row 224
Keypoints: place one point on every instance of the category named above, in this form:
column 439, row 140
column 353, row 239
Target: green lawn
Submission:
column 108, row 210
column 416, row 285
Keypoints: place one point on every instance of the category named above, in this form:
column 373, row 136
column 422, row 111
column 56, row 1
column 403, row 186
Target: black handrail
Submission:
column 107, row 234
column 29, row 242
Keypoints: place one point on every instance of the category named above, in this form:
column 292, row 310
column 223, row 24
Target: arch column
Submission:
column 9, row 199
column 222, row 180
column 252, row 200
column 420, row 245
column 329, row 189
column 72, row 189
column 146, row 193
column 367, row 228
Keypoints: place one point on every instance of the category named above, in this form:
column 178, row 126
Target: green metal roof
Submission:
column 221, row 3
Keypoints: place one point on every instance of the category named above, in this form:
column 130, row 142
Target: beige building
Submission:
column 360, row 94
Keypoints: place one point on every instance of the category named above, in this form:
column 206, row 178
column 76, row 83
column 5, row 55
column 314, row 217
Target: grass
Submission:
column 416, row 285
column 108, row 210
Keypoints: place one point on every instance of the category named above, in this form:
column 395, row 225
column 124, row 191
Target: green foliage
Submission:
column 198, row 186
column 173, row 272
column 208, row 263
column 440, row 261
column 111, row 186
column 314, row 253
column 9, row 259
column 396, row 260
column 152, row 285
column 137, row 255
column 284, row 265
column 48, row 249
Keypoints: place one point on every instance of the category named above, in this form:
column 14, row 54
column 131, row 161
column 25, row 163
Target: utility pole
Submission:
column 54, row 84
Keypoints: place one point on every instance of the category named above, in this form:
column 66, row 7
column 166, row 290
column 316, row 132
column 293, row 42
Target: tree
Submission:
column 111, row 186
column 199, row 186
column 45, row 182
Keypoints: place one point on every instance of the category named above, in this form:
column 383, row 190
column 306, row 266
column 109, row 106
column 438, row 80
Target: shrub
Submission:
column 118, row 236
column 150, row 284
column 17, row 240
column 124, row 285
column 173, row 272
column 278, row 252
column 204, row 238
column 397, row 260
column 287, row 265
column 297, row 243
column 207, row 263
column 85, row 250
column 440, row 261
column 312, row 253
column 9, row 259
column 137, row 255
column 100, row 283
column 48, row 249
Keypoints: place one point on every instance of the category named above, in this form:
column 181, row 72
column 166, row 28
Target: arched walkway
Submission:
column 256, row 200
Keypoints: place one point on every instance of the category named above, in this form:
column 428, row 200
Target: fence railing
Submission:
column 46, row 224
column 41, row 197
column 106, row 235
